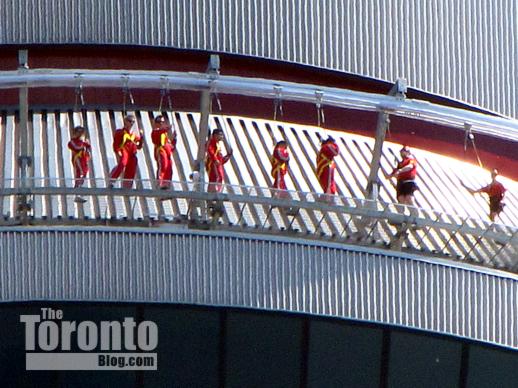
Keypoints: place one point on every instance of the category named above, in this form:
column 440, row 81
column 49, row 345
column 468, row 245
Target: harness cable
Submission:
column 321, row 120
column 80, row 99
column 165, row 92
column 126, row 92
column 277, row 102
column 277, row 108
column 224, row 127
column 469, row 137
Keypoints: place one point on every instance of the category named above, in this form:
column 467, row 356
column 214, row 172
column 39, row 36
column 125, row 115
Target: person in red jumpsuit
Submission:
column 214, row 161
column 125, row 145
column 326, row 165
column 496, row 192
column 405, row 173
column 80, row 148
column 280, row 158
column 164, row 148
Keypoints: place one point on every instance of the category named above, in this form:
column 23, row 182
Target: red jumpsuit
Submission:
column 214, row 162
column 406, row 180
column 280, row 159
column 126, row 144
column 80, row 157
column 326, row 166
column 496, row 191
column 164, row 148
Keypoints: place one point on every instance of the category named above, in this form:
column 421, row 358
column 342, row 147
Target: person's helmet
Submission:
column 329, row 139
column 281, row 143
column 79, row 129
column 217, row 131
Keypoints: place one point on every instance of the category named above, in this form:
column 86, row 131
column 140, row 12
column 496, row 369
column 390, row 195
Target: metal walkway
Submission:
column 450, row 222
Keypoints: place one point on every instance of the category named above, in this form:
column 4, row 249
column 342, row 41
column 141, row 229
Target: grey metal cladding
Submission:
column 464, row 50
column 217, row 268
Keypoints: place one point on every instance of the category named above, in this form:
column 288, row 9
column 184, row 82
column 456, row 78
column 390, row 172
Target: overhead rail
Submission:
column 496, row 126
column 367, row 222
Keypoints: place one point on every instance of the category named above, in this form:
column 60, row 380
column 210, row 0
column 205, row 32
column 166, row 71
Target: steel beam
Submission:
column 24, row 159
column 368, row 211
column 205, row 111
column 381, row 131
column 487, row 124
column 398, row 91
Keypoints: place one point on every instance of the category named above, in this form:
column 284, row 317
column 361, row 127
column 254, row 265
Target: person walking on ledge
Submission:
column 125, row 145
column 214, row 161
column 405, row 173
column 280, row 158
column 326, row 167
column 80, row 148
column 496, row 192
column 164, row 148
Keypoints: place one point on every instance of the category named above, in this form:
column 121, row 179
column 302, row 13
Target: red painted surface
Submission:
column 435, row 138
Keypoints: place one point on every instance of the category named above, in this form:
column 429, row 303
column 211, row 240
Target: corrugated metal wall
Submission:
column 275, row 274
column 462, row 49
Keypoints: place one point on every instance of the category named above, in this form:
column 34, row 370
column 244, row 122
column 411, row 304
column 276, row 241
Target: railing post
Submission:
column 381, row 131
column 205, row 110
column 398, row 91
column 513, row 235
column 24, row 159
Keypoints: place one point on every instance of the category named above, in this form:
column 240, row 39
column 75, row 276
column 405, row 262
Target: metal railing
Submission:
column 265, row 210
column 491, row 125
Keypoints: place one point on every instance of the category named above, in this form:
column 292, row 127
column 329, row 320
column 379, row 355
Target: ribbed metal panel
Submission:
column 465, row 50
column 274, row 274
